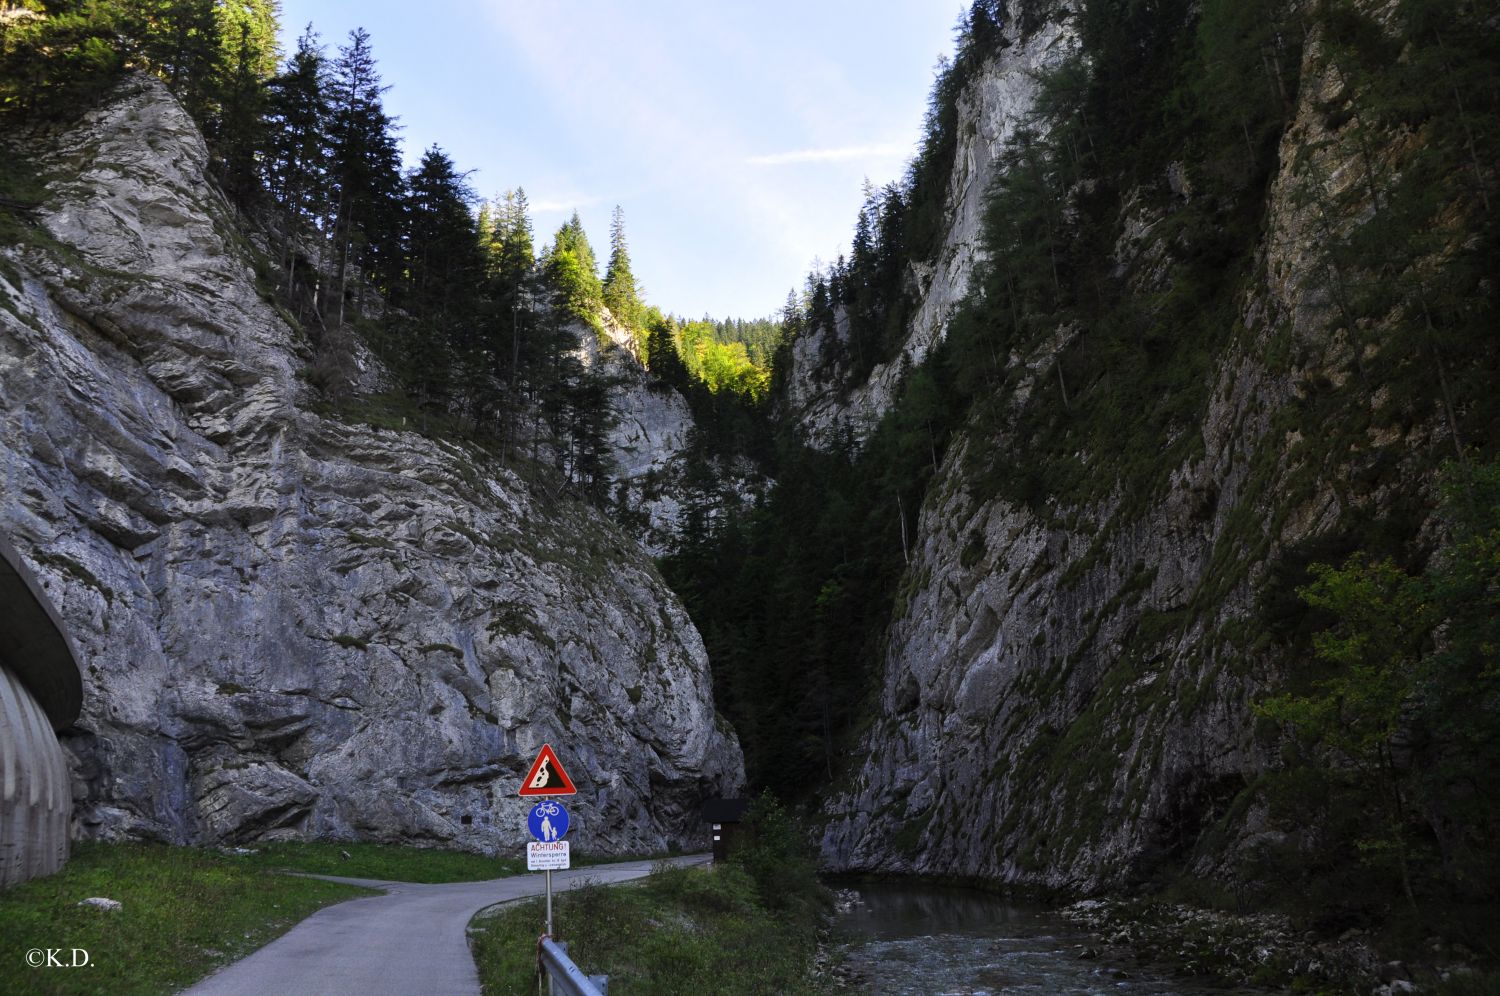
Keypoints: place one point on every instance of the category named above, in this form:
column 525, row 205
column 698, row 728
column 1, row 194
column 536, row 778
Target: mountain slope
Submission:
column 294, row 624
column 1237, row 338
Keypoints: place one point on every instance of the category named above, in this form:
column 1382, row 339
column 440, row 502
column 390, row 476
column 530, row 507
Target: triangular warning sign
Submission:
column 547, row 776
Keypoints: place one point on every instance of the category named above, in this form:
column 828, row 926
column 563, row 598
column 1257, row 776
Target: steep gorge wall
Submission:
column 996, row 102
column 651, row 443
column 293, row 624
column 1067, row 690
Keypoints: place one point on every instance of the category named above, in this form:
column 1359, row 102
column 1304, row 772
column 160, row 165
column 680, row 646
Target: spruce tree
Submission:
column 621, row 295
column 239, row 132
column 444, row 273
column 571, row 270
column 364, row 170
column 515, row 255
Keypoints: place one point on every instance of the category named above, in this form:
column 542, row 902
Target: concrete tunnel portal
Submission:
column 41, row 693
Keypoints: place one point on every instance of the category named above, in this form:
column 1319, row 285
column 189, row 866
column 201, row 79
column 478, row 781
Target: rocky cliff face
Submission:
column 291, row 624
column 1066, row 699
column 651, row 442
column 997, row 102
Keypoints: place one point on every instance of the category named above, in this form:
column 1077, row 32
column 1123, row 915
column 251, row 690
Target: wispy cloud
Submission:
column 888, row 151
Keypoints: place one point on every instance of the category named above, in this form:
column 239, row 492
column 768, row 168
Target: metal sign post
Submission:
column 548, row 820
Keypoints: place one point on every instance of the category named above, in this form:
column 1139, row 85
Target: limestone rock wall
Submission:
column 994, row 105
column 1067, row 697
column 293, row 624
column 651, row 442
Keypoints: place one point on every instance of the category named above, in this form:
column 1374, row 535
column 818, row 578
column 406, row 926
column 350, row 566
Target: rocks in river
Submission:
column 1241, row 949
column 295, row 625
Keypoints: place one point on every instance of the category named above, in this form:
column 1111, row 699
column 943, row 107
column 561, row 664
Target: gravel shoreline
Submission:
column 1259, row 949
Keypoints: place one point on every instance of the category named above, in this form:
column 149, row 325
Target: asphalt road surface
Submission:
column 410, row 940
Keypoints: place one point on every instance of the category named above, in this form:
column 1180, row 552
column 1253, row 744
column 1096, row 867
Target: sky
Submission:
column 734, row 134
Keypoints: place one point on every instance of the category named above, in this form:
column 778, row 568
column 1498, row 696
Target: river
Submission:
column 934, row 941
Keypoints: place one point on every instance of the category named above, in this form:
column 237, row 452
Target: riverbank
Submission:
column 1257, row 951
column 679, row 930
column 1266, row 949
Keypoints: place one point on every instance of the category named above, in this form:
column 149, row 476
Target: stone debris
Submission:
column 101, row 903
column 1250, row 949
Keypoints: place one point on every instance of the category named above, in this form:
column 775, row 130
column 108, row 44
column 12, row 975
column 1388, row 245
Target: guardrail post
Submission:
column 563, row 976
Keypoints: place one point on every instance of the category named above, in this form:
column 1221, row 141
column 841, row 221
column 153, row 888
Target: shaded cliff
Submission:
column 1203, row 351
column 822, row 399
column 294, row 624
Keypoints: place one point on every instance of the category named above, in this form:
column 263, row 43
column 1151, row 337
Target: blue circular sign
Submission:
column 548, row 821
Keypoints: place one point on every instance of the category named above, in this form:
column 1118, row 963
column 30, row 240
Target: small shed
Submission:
column 41, row 692
column 724, row 816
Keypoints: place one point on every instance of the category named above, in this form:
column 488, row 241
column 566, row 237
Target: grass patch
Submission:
column 186, row 912
column 383, row 861
column 682, row 930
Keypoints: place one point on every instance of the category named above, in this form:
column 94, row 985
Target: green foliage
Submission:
column 572, row 269
column 683, row 930
column 1406, row 699
column 772, row 848
column 1123, row 354
column 507, row 238
column 1383, row 619
column 621, row 294
column 59, row 56
column 185, row 912
column 815, row 568
column 720, row 365
column 365, row 184
column 56, row 58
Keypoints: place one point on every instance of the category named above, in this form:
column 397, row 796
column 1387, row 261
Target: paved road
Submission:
column 410, row 940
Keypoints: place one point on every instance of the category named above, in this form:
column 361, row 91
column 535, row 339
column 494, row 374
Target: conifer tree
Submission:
column 571, row 269
column 183, row 41
column 239, row 132
column 621, row 294
column 444, row 273
column 515, row 255
column 364, row 170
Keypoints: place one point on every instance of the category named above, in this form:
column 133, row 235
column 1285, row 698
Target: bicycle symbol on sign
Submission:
column 548, row 822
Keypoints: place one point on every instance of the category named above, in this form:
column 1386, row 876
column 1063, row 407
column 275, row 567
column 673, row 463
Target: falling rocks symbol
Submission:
column 547, row 776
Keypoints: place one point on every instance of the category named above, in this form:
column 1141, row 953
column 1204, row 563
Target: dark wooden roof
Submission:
column 725, row 810
column 34, row 645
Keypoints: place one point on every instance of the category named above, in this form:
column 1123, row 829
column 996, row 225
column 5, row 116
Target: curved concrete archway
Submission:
column 41, row 692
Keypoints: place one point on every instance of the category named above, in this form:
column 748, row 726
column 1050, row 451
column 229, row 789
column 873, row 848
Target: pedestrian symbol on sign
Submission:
column 548, row 821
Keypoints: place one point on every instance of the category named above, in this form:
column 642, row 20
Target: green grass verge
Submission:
column 397, row 863
column 681, row 930
column 186, row 912
column 384, row 861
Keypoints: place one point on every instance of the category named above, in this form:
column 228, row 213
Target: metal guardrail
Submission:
column 564, row 977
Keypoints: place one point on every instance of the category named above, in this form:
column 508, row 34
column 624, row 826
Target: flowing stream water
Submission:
column 934, row 941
